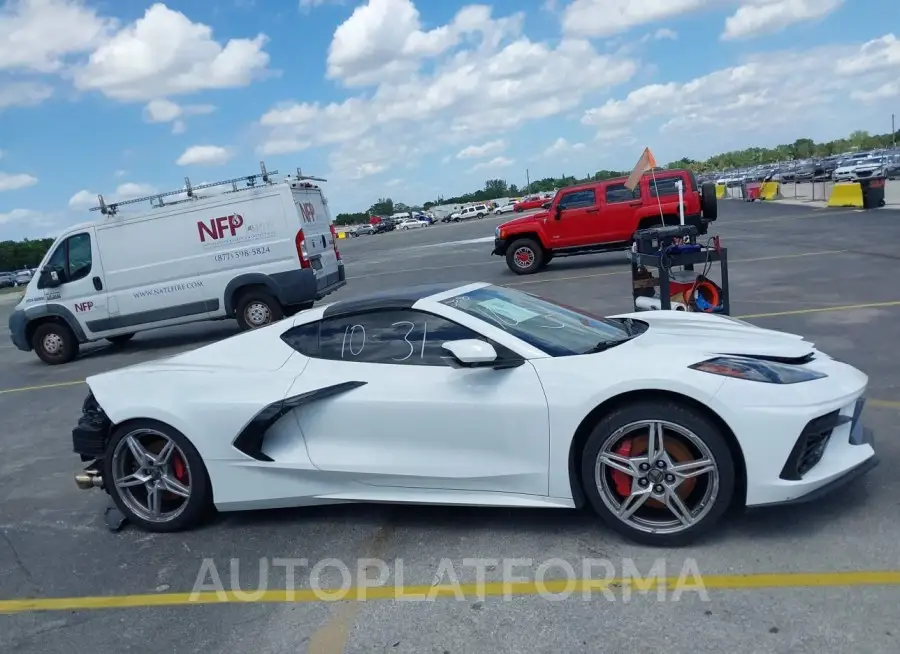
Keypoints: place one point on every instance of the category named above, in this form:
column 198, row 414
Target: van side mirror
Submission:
column 49, row 278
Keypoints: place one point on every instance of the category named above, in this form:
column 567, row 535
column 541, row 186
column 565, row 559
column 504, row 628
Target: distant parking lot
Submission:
column 820, row 273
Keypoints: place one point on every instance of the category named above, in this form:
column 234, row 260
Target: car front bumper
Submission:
column 799, row 441
column 500, row 246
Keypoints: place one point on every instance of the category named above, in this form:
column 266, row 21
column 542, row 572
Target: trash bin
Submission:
column 872, row 192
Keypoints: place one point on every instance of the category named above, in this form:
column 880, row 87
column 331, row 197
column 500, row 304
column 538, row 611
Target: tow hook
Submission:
column 88, row 479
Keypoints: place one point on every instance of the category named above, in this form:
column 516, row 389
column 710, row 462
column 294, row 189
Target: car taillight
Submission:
column 334, row 240
column 300, row 242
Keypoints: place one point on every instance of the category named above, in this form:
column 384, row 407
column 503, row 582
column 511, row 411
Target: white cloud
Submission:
column 484, row 150
column 493, row 164
column 886, row 91
column 23, row 94
column 19, row 215
column 166, row 111
column 603, row 18
column 15, row 182
column 756, row 17
column 38, row 35
column 85, row 199
column 733, row 102
column 204, row 155
column 164, row 54
column 475, row 77
column 664, row 33
column 561, row 147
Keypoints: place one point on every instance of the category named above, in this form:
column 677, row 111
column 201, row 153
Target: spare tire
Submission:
column 709, row 205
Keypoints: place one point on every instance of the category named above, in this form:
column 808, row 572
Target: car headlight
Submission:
column 497, row 232
column 768, row 372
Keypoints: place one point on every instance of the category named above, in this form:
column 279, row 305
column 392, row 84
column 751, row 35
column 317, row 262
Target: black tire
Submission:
column 685, row 417
column 198, row 507
column 54, row 343
column 121, row 339
column 536, row 253
column 709, row 204
column 245, row 309
column 480, row 216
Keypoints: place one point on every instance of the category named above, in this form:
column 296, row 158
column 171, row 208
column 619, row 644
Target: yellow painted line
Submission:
column 551, row 280
column 884, row 404
column 843, row 307
column 22, row 389
column 789, row 580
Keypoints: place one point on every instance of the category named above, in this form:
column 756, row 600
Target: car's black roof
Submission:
column 395, row 298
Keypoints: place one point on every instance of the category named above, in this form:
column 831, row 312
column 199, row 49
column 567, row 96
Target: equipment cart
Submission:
column 665, row 258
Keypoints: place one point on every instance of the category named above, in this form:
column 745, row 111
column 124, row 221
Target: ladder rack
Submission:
column 250, row 182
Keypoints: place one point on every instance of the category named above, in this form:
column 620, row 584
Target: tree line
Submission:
column 16, row 255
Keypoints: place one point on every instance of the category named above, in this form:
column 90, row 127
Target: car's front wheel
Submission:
column 525, row 256
column 156, row 477
column 659, row 473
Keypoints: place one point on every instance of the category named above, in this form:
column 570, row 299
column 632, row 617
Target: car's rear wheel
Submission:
column 659, row 473
column 525, row 256
column 257, row 308
column 156, row 477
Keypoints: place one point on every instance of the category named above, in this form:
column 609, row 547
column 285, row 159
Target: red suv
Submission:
column 602, row 217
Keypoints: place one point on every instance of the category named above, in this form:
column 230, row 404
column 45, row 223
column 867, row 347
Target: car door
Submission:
column 413, row 421
column 579, row 220
column 76, row 264
column 620, row 206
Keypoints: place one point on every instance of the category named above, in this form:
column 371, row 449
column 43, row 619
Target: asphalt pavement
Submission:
column 824, row 577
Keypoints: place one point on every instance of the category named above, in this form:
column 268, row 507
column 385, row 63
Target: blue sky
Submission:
column 413, row 99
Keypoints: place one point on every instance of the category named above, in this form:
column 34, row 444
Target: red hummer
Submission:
column 602, row 217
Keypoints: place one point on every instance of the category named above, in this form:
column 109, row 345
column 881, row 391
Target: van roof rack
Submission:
column 250, row 181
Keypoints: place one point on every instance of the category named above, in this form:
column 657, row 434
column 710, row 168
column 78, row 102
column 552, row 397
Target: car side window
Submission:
column 303, row 338
column 402, row 337
column 578, row 199
column 662, row 187
column 72, row 260
column 620, row 193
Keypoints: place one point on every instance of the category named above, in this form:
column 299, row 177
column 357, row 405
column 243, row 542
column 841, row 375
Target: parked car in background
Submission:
column 506, row 208
column 532, row 202
column 23, row 277
column 478, row 211
column 361, row 230
column 7, row 280
column 411, row 223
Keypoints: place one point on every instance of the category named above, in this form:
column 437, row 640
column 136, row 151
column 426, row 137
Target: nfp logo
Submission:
column 308, row 211
column 217, row 227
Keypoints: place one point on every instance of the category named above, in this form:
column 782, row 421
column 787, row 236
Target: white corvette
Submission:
column 480, row 395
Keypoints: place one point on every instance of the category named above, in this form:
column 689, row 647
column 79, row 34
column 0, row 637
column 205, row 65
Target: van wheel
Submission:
column 54, row 343
column 524, row 256
column 256, row 309
column 120, row 339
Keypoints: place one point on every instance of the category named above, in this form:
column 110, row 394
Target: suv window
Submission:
column 578, row 199
column 619, row 193
column 72, row 259
column 664, row 186
column 393, row 337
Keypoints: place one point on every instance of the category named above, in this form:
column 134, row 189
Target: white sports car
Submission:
column 660, row 420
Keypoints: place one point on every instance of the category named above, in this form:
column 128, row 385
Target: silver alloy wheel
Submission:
column 258, row 314
column 654, row 476
column 52, row 344
column 145, row 479
column 524, row 257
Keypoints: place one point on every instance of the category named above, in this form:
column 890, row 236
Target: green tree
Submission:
column 15, row 255
column 384, row 207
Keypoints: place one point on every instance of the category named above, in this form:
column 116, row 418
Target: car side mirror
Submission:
column 49, row 278
column 471, row 353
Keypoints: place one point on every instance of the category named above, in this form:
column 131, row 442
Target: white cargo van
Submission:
column 258, row 252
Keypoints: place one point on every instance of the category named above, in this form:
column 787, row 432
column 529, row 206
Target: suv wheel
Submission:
column 525, row 256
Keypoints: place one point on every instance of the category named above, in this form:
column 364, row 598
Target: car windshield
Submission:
column 554, row 328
